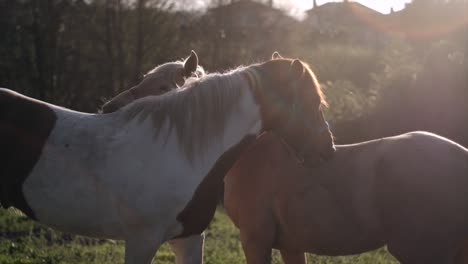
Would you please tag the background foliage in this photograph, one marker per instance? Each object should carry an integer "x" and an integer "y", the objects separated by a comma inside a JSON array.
[{"x": 75, "y": 53}]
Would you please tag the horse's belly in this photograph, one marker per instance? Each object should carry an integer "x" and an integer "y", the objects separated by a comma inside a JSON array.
[
  {"x": 313, "y": 221},
  {"x": 104, "y": 217},
  {"x": 91, "y": 207},
  {"x": 79, "y": 214},
  {"x": 102, "y": 208},
  {"x": 330, "y": 246},
  {"x": 342, "y": 247}
]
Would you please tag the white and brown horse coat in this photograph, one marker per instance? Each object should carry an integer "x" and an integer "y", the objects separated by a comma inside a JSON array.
[
  {"x": 101, "y": 170},
  {"x": 117, "y": 177},
  {"x": 149, "y": 172}
]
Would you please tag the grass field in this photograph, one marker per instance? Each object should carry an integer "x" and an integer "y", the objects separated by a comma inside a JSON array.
[{"x": 24, "y": 241}]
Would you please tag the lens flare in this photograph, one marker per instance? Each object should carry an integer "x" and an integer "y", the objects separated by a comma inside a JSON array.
[{"x": 415, "y": 22}]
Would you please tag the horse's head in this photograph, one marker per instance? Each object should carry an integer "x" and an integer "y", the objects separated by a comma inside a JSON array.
[
  {"x": 162, "y": 79},
  {"x": 292, "y": 102}
]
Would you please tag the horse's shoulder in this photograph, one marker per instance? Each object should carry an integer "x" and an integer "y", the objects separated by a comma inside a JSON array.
[
  {"x": 258, "y": 163},
  {"x": 265, "y": 150}
]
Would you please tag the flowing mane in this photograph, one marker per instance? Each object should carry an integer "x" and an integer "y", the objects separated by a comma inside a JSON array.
[{"x": 198, "y": 111}]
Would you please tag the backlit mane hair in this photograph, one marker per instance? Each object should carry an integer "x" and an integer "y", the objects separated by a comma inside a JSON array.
[
  {"x": 170, "y": 69},
  {"x": 317, "y": 85},
  {"x": 308, "y": 70},
  {"x": 197, "y": 112},
  {"x": 166, "y": 71}
]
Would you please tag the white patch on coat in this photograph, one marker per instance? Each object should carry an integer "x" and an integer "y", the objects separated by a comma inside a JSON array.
[{"x": 100, "y": 177}]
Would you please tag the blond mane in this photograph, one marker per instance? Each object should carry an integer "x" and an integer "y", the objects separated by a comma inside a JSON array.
[
  {"x": 317, "y": 85},
  {"x": 197, "y": 112}
]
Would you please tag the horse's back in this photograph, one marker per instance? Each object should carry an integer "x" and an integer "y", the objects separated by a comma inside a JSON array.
[
  {"x": 422, "y": 183},
  {"x": 25, "y": 125},
  {"x": 428, "y": 138},
  {"x": 429, "y": 148},
  {"x": 423, "y": 156}
]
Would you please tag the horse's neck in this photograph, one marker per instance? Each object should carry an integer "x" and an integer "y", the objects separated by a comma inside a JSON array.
[
  {"x": 243, "y": 121},
  {"x": 229, "y": 126},
  {"x": 242, "y": 127}
]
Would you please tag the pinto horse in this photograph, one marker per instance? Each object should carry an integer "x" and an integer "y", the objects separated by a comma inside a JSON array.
[
  {"x": 161, "y": 79},
  {"x": 152, "y": 171},
  {"x": 408, "y": 192}
]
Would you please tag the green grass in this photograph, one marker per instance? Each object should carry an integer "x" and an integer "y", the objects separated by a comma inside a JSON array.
[{"x": 24, "y": 241}]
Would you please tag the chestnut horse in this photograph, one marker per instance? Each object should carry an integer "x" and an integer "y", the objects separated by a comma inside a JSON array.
[
  {"x": 161, "y": 79},
  {"x": 409, "y": 192},
  {"x": 152, "y": 171}
]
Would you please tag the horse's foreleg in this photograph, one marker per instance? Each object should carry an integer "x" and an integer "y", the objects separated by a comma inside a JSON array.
[
  {"x": 188, "y": 250},
  {"x": 293, "y": 257},
  {"x": 141, "y": 249},
  {"x": 257, "y": 237},
  {"x": 256, "y": 252}
]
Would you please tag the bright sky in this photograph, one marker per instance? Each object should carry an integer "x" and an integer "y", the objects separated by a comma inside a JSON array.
[
  {"x": 298, "y": 6},
  {"x": 382, "y": 6}
]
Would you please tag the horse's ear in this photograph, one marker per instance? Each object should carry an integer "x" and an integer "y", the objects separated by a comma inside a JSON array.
[
  {"x": 297, "y": 69},
  {"x": 190, "y": 64},
  {"x": 276, "y": 55}
]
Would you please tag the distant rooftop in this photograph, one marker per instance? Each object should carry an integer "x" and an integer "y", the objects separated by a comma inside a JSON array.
[{"x": 342, "y": 6}]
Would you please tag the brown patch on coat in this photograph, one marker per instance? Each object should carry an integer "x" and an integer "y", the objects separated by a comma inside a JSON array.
[
  {"x": 25, "y": 125},
  {"x": 200, "y": 210}
]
